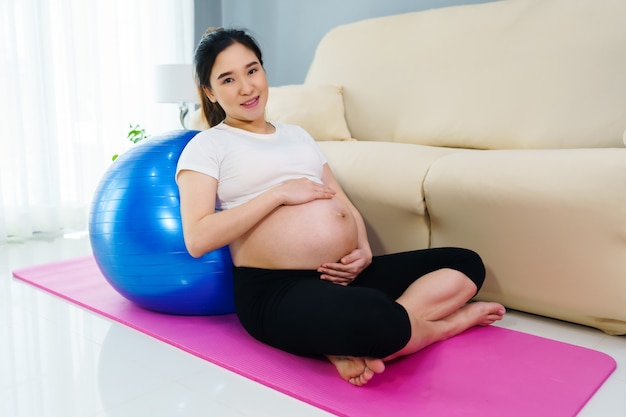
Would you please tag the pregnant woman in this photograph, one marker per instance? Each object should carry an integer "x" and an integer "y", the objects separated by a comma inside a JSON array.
[{"x": 304, "y": 275}]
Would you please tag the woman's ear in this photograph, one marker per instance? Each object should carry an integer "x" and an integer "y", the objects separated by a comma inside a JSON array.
[{"x": 209, "y": 95}]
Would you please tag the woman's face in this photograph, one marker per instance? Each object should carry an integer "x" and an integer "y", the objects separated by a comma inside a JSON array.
[{"x": 239, "y": 85}]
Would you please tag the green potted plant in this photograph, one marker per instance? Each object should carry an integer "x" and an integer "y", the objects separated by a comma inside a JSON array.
[{"x": 135, "y": 134}]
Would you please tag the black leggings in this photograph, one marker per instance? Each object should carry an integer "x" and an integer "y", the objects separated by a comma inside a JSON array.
[{"x": 296, "y": 311}]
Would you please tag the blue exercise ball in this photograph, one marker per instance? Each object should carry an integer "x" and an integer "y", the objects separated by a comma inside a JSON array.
[{"x": 136, "y": 235}]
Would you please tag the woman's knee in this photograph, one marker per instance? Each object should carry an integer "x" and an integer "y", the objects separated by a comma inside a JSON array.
[{"x": 471, "y": 265}]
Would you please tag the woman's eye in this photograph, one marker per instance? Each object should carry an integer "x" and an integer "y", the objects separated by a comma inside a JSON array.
[
  {"x": 228, "y": 80},
  {"x": 252, "y": 71}
]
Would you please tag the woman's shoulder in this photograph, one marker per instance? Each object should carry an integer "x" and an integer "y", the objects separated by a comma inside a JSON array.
[{"x": 205, "y": 141}]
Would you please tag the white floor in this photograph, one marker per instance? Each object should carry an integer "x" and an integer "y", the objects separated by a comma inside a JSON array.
[{"x": 62, "y": 361}]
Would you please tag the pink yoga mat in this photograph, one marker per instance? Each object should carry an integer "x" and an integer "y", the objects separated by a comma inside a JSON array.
[{"x": 486, "y": 371}]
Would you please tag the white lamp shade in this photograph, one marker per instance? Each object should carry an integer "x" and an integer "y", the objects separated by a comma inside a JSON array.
[{"x": 174, "y": 83}]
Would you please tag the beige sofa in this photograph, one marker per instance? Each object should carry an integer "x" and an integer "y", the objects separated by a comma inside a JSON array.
[{"x": 498, "y": 127}]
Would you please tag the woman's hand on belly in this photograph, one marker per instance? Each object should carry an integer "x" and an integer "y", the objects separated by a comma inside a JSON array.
[
  {"x": 303, "y": 190},
  {"x": 348, "y": 267}
]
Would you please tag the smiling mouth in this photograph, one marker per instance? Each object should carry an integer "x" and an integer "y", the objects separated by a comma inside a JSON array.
[{"x": 250, "y": 103}]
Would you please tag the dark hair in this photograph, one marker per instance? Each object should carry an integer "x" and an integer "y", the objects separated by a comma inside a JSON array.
[{"x": 214, "y": 41}]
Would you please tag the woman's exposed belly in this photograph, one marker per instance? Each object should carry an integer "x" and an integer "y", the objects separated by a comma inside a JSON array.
[{"x": 298, "y": 237}]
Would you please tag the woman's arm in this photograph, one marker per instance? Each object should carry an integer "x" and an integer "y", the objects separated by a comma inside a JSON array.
[{"x": 205, "y": 230}]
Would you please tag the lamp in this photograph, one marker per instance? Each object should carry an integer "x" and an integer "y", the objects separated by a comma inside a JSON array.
[{"x": 174, "y": 83}]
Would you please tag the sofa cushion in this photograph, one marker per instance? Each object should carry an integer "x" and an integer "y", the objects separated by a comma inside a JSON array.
[
  {"x": 316, "y": 108},
  {"x": 499, "y": 75}
]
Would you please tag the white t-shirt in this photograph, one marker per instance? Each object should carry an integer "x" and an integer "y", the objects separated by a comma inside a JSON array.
[{"x": 246, "y": 164}]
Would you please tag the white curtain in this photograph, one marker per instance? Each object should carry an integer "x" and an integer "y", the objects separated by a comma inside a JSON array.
[{"x": 74, "y": 74}]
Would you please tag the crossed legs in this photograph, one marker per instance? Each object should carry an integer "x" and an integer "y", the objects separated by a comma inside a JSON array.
[{"x": 437, "y": 306}]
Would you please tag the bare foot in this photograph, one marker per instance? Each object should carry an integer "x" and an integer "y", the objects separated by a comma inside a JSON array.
[
  {"x": 481, "y": 313},
  {"x": 357, "y": 371}
]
